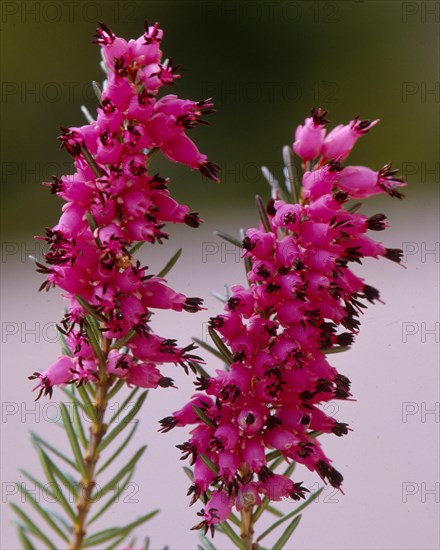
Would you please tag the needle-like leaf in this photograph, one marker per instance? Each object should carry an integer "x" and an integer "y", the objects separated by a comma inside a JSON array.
[
  {"x": 291, "y": 514},
  {"x": 229, "y": 238},
  {"x": 263, "y": 213},
  {"x": 121, "y": 474},
  {"x": 170, "y": 264},
  {"x": 120, "y": 488},
  {"x": 108, "y": 534},
  {"x": 282, "y": 541},
  {"x": 121, "y": 407},
  {"x": 226, "y": 354},
  {"x": 32, "y": 527},
  {"x": 52, "y": 472},
  {"x": 123, "y": 423},
  {"x": 25, "y": 542},
  {"x": 225, "y": 528},
  {"x": 204, "y": 418},
  {"x": 209, "y": 348},
  {"x": 73, "y": 440},
  {"x": 42, "y": 442},
  {"x": 42, "y": 511},
  {"x": 119, "y": 450},
  {"x": 209, "y": 463}
]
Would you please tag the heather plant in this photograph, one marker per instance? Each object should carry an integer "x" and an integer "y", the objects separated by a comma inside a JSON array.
[
  {"x": 301, "y": 302},
  {"x": 114, "y": 203}
]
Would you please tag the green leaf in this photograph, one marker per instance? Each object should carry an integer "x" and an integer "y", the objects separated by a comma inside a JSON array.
[
  {"x": 115, "y": 389},
  {"x": 32, "y": 527},
  {"x": 288, "y": 162},
  {"x": 123, "y": 423},
  {"x": 354, "y": 207},
  {"x": 95, "y": 342},
  {"x": 229, "y": 238},
  {"x": 275, "y": 184},
  {"x": 151, "y": 153},
  {"x": 219, "y": 297},
  {"x": 72, "y": 397},
  {"x": 170, "y": 264},
  {"x": 234, "y": 519},
  {"x": 73, "y": 440},
  {"x": 121, "y": 474},
  {"x": 25, "y": 542},
  {"x": 263, "y": 507},
  {"x": 119, "y": 490},
  {"x": 93, "y": 165},
  {"x": 198, "y": 368},
  {"x": 125, "y": 339},
  {"x": 282, "y": 541},
  {"x": 226, "y": 354},
  {"x": 103, "y": 536},
  {"x": 272, "y": 455},
  {"x": 206, "y": 542},
  {"x": 108, "y": 534},
  {"x": 188, "y": 472},
  {"x": 291, "y": 514},
  {"x": 64, "y": 347},
  {"x": 279, "y": 460},
  {"x": 43, "y": 488},
  {"x": 119, "y": 449},
  {"x": 42, "y": 511},
  {"x": 97, "y": 89},
  {"x": 204, "y": 418},
  {"x": 225, "y": 528},
  {"x": 209, "y": 463},
  {"x": 42, "y": 442},
  {"x": 337, "y": 349},
  {"x": 51, "y": 470},
  {"x": 126, "y": 401},
  {"x": 88, "y": 406},
  {"x": 135, "y": 248},
  {"x": 79, "y": 428},
  {"x": 209, "y": 348},
  {"x": 289, "y": 470},
  {"x": 274, "y": 511},
  {"x": 89, "y": 308},
  {"x": 260, "y": 509},
  {"x": 115, "y": 544},
  {"x": 263, "y": 213}
]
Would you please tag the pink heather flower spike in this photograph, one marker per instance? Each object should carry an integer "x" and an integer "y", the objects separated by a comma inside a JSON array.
[
  {"x": 113, "y": 202},
  {"x": 303, "y": 301}
]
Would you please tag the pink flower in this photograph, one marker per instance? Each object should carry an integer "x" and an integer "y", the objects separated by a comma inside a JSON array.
[
  {"x": 59, "y": 373},
  {"x": 341, "y": 140},
  {"x": 217, "y": 509},
  {"x": 310, "y": 137},
  {"x": 361, "y": 182}
]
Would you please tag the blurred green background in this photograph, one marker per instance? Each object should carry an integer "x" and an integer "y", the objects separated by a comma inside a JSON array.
[{"x": 265, "y": 62}]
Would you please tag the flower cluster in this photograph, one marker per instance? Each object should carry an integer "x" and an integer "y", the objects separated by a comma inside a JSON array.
[
  {"x": 113, "y": 203},
  {"x": 303, "y": 302}
]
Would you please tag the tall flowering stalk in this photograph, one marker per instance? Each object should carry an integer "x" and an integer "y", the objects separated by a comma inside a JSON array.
[
  {"x": 303, "y": 302},
  {"x": 114, "y": 203}
]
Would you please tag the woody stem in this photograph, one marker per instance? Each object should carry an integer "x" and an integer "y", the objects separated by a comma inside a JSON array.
[
  {"x": 91, "y": 455},
  {"x": 247, "y": 530}
]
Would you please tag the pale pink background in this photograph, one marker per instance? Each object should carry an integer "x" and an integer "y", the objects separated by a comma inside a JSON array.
[{"x": 377, "y": 459}]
